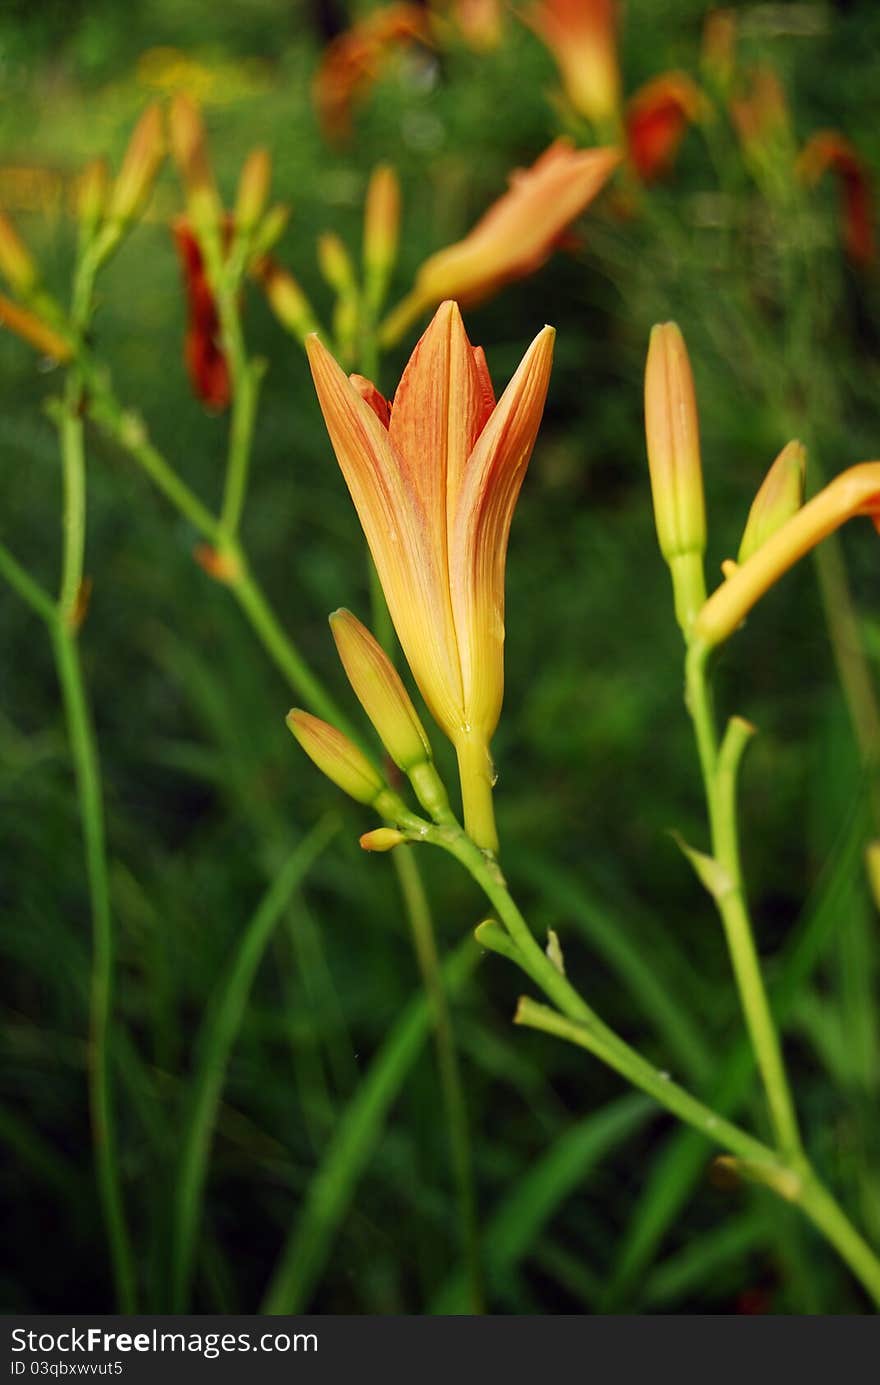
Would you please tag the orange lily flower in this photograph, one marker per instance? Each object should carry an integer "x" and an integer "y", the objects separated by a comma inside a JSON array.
[
  {"x": 854, "y": 492},
  {"x": 480, "y": 23},
  {"x": 435, "y": 479},
  {"x": 829, "y": 150},
  {"x": 581, "y": 35},
  {"x": 657, "y": 117},
  {"x": 352, "y": 62},
  {"x": 514, "y": 237}
]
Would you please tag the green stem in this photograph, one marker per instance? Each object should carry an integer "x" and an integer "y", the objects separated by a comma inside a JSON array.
[
  {"x": 70, "y": 434},
  {"x": 719, "y": 777},
  {"x": 419, "y": 915},
  {"x": 657, "y": 1084},
  {"x": 85, "y": 759},
  {"x": 21, "y": 582},
  {"x": 280, "y": 647}
]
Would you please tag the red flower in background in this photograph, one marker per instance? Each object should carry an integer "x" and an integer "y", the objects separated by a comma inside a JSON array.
[
  {"x": 353, "y": 61},
  {"x": 657, "y": 117},
  {"x": 205, "y": 361},
  {"x": 829, "y": 150}
]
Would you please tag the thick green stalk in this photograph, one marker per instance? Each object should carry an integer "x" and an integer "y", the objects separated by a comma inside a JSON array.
[
  {"x": 719, "y": 778},
  {"x": 85, "y": 759},
  {"x": 425, "y": 943}
]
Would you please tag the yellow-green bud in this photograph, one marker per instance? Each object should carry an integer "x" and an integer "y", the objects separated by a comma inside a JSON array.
[
  {"x": 381, "y": 230},
  {"x": 673, "y": 439},
  {"x": 780, "y": 496},
  {"x": 872, "y": 864},
  {"x": 382, "y": 839},
  {"x": 335, "y": 264},
  {"x": 380, "y": 691},
  {"x": 140, "y": 164},
  {"x": 287, "y": 300},
  {"x": 336, "y": 756},
  {"x": 253, "y": 189},
  {"x": 91, "y": 194},
  {"x": 16, "y": 262},
  {"x": 270, "y": 231}
]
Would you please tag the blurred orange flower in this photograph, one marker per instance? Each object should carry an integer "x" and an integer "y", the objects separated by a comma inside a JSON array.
[
  {"x": 516, "y": 235},
  {"x": 353, "y": 61},
  {"x": 435, "y": 482},
  {"x": 581, "y": 35},
  {"x": 829, "y": 150}
]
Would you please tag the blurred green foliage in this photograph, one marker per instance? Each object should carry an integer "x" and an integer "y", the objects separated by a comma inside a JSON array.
[{"x": 206, "y": 794}]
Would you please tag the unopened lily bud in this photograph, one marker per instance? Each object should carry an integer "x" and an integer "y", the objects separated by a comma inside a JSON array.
[
  {"x": 269, "y": 231},
  {"x": 140, "y": 164},
  {"x": 33, "y": 330},
  {"x": 253, "y": 189},
  {"x": 718, "y": 52},
  {"x": 91, "y": 194},
  {"x": 336, "y": 756},
  {"x": 16, "y": 262},
  {"x": 382, "y": 839},
  {"x": 190, "y": 149},
  {"x": 381, "y": 230},
  {"x": 673, "y": 438},
  {"x": 780, "y": 496},
  {"x": 872, "y": 865},
  {"x": 287, "y": 300},
  {"x": 335, "y": 264},
  {"x": 380, "y": 691}
]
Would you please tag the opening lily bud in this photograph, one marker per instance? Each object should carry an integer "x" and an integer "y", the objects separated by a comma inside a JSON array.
[
  {"x": 382, "y": 839},
  {"x": 190, "y": 149},
  {"x": 673, "y": 438},
  {"x": 140, "y": 164},
  {"x": 336, "y": 756},
  {"x": 854, "y": 492},
  {"x": 16, "y": 262},
  {"x": 253, "y": 189},
  {"x": 780, "y": 496},
  {"x": 380, "y": 691}
]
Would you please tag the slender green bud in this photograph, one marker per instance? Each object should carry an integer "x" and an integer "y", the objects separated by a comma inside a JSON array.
[
  {"x": 872, "y": 865},
  {"x": 336, "y": 756},
  {"x": 381, "y": 231},
  {"x": 140, "y": 164},
  {"x": 335, "y": 264},
  {"x": 380, "y": 691},
  {"x": 253, "y": 189},
  {"x": 673, "y": 438},
  {"x": 780, "y": 496},
  {"x": 382, "y": 839},
  {"x": 287, "y": 300},
  {"x": 91, "y": 195},
  {"x": 270, "y": 231},
  {"x": 17, "y": 265}
]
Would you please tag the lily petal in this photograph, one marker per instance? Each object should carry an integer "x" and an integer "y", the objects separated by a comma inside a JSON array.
[
  {"x": 479, "y": 534},
  {"x": 400, "y": 535}
]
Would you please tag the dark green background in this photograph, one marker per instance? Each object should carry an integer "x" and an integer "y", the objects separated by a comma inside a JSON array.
[{"x": 206, "y": 791}]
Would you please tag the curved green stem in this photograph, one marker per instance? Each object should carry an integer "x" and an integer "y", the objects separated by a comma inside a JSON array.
[{"x": 719, "y": 770}]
